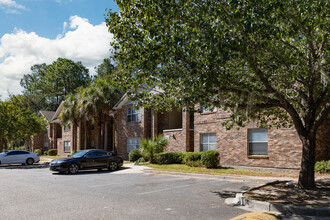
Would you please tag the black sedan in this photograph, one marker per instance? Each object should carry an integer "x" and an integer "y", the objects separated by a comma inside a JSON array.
[{"x": 87, "y": 159}]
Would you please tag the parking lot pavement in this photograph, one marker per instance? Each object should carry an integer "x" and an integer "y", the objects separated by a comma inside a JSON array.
[{"x": 124, "y": 194}]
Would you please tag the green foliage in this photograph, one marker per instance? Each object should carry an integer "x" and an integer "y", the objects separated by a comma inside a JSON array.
[
  {"x": 191, "y": 156},
  {"x": 134, "y": 155},
  {"x": 151, "y": 147},
  {"x": 52, "y": 152},
  {"x": 37, "y": 151},
  {"x": 140, "y": 160},
  {"x": 169, "y": 158},
  {"x": 17, "y": 122},
  {"x": 46, "y": 87},
  {"x": 46, "y": 152},
  {"x": 266, "y": 61},
  {"x": 210, "y": 159},
  {"x": 322, "y": 166}
]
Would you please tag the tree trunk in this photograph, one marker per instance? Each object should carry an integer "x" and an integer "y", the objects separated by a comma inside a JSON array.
[
  {"x": 307, "y": 175},
  {"x": 74, "y": 137}
]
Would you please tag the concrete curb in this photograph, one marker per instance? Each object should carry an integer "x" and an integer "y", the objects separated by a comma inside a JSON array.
[
  {"x": 241, "y": 200},
  {"x": 234, "y": 178}
]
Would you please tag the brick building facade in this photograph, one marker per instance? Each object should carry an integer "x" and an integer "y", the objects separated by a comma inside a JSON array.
[{"x": 248, "y": 146}]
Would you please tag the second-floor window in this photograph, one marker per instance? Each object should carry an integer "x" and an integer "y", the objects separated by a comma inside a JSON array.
[
  {"x": 67, "y": 126},
  {"x": 133, "y": 115},
  {"x": 205, "y": 109}
]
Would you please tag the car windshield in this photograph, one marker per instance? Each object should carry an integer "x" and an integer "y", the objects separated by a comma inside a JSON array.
[{"x": 79, "y": 154}]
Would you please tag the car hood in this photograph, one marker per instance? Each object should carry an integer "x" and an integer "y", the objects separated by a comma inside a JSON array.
[{"x": 61, "y": 160}]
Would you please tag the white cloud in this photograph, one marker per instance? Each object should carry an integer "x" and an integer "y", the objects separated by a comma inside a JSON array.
[
  {"x": 11, "y": 6},
  {"x": 83, "y": 42}
]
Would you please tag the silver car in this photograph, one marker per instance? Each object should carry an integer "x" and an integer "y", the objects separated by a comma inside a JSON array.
[{"x": 19, "y": 156}]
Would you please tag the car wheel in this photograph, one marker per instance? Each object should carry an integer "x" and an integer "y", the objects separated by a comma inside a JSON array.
[
  {"x": 113, "y": 166},
  {"x": 73, "y": 168},
  {"x": 29, "y": 161}
]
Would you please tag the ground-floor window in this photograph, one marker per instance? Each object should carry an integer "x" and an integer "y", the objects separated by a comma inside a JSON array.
[
  {"x": 46, "y": 146},
  {"x": 208, "y": 142},
  {"x": 258, "y": 141},
  {"x": 67, "y": 146},
  {"x": 133, "y": 143}
]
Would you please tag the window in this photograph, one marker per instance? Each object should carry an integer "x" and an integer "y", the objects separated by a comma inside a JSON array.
[
  {"x": 67, "y": 126},
  {"x": 67, "y": 146},
  {"x": 133, "y": 143},
  {"x": 205, "y": 109},
  {"x": 208, "y": 142},
  {"x": 133, "y": 115},
  {"x": 258, "y": 141},
  {"x": 46, "y": 145}
]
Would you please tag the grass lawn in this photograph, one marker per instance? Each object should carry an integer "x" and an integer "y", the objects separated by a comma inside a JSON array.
[
  {"x": 47, "y": 158},
  {"x": 222, "y": 171}
]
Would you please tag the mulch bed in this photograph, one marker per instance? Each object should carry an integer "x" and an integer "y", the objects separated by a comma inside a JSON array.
[{"x": 289, "y": 194}]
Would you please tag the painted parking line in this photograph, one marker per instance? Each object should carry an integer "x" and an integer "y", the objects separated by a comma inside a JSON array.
[{"x": 176, "y": 187}]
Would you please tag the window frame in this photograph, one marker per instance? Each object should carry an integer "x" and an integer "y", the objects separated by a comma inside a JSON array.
[
  {"x": 67, "y": 126},
  {"x": 208, "y": 142},
  {"x": 251, "y": 142},
  {"x": 131, "y": 112},
  {"x": 64, "y": 146},
  {"x": 205, "y": 109},
  {"x": 133, "y": 144}
]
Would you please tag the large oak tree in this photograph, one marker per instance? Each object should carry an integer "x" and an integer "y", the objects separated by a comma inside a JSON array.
[{"x": 263, "y": 59}]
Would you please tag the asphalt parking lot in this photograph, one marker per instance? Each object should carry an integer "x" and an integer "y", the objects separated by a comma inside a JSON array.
[{"x": 37, "y": 193}]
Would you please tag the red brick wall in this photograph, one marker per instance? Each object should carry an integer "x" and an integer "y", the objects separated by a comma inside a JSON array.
[
  {"x": 66, "y": 136},
  {"x": 176, "y": 140},
  {"x": 323, "y": 141},
  {"x": 284, "y": 146},
  {"x": 126, "y": 129},
  {"x": 38, "y": 141}
]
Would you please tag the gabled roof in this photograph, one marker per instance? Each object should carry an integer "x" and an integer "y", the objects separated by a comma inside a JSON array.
[
  {"x": 57, "y": 113},
  {"x": 123, "y": 100},
  {"x": 47, "y": 114}
]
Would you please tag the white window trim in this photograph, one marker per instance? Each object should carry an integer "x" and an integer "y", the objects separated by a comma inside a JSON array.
[
  {"x": 64, "y": 142},
  {"x": 208, "y": 143},
  {"x": 257, "y": 142},
  {"x": 136, "y": 112},
  {"x": 208, "y": 110},
  {"x": 134, "y": 145}
]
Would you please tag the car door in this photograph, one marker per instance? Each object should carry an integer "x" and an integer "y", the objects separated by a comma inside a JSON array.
[
  {"x": 9, "y": 158},
  {"x": 89, "y": 160},
  {"x": 102, "y": 158}
]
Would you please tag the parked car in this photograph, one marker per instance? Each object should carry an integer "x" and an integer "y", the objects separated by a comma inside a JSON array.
[
  {"x": 19, "y": 156},
  {"x": 87, "y": 159}
]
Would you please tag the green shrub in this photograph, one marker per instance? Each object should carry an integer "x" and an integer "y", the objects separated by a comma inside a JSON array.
[
  {"x": 191, "y": 156},
  {"x": 140, "y": 160},
  {"x": 37, "y": 151},
  {"x": 149, "y": 148},
  {"x": 169, "y": 158},
  {"x": 134, "y": 155},
  {"x": 45, "y": 152},
  {"x": 52, "y": 152},
  {"x": 210, "y": 159},
  {"x": 322, "y": 166}
]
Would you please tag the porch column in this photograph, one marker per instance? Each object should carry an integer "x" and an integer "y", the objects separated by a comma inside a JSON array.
[
  {"x": 186, "y": 129},
  {"x": 154, "y": 124},
  {"x": 106, "y": 136}
]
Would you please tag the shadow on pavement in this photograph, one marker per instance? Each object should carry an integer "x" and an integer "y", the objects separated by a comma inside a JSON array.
[
  {"x": 89, "y": 172},
  {"x": 16, "y": 166}
]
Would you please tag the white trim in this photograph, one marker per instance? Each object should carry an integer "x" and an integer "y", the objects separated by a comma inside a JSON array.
[
  {"x": 58, "y": 111},
  {"x": 168, "y": 130},
  {"x": 121, "y": 102}
]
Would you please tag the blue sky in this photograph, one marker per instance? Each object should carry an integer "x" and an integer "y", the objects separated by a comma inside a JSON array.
[{"x": 40, "y": 31}]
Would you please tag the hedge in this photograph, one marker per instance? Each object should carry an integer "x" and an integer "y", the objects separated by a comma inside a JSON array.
[
  {"x": 169, "y": 158},
  {"x": 52, "y": 152},
  {"x": 134, "y": 155},
  {"x": 322, "y": 166},
  {"x": 209, "y": 159},
  {"x": 37, "y": 151}
]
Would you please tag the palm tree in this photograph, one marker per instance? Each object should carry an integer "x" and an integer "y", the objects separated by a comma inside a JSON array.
[
  {"x": 71, "y": 113},
  {"x": 97, "y": 101}
]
